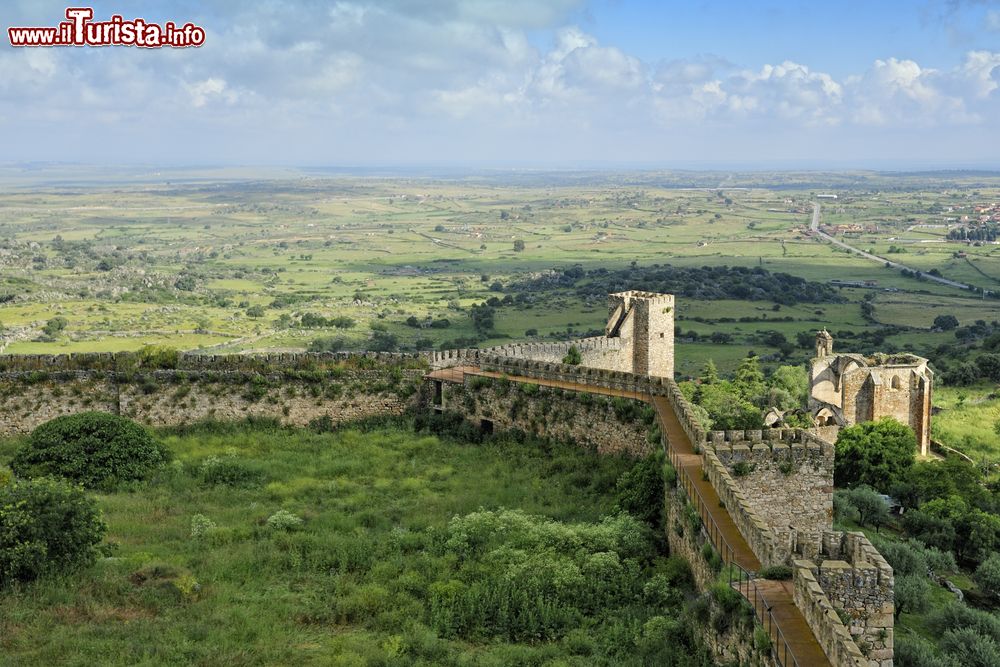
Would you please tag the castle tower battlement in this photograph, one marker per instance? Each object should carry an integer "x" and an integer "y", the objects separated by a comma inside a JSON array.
[{"x": 645, "y": 323}]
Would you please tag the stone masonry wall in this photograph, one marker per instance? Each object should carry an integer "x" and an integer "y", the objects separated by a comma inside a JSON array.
[
  {"x": 788, "y": 483},
  {"x": 780, "y": 514},
  {"x": 822, "y": 617},
  {"x": 610, "y": 425},
  {"x": 170, "y": 397},
  {"x": 858, "y": 581},
  {"x": 772, "y": 547}
]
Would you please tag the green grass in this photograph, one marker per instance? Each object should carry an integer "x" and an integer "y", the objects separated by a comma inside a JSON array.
[
  {"x": 353, "y": 586},
  {"x": 967, "y": 420}
]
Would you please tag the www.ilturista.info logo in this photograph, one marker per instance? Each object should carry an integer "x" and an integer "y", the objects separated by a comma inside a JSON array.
[{"x": 80, "y": 30}]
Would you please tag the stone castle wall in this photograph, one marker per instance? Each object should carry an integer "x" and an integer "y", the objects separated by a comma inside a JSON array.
[
  {"x": 293, "y": 389},
  {"x": 788, "y": 482},
  {"x": 850, "y": 575},
  {"x": 776, "y": 484},
  {"x": 609, "y": 425},
  {"x": 639, "y": 339}
]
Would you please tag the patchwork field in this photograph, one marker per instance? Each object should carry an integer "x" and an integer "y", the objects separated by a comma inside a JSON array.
[{"x": 232, "y": 262}]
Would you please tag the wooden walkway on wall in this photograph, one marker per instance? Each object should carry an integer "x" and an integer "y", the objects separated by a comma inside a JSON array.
[
  {"x": 791, "y": 636},
  {"x": 793, "y": 640}
]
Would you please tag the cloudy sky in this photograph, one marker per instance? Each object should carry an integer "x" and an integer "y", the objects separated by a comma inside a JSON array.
[{"x": 892, "y": 83}]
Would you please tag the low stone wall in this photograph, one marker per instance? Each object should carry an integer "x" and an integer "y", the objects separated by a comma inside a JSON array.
[
  {"x": 170, "y": 397},
  {"x": 132, "y": 361}
]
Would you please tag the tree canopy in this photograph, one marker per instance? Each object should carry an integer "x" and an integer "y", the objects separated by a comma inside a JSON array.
[{"x": 877, "y": 454}]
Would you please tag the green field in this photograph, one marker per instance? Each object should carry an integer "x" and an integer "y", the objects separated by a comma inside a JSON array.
[
  {"x": 230, "y": 265},
  {"x": 968, "y": 421}
]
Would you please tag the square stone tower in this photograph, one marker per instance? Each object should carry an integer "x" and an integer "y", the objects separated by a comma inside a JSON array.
[{"x": 644, "y": 321}]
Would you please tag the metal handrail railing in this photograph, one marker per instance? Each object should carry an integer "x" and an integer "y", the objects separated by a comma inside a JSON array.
[{"x": 745, "y": 581}]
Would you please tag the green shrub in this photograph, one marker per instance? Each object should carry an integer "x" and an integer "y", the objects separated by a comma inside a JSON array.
[
  {"x": 46, "y": 525},
  {"x": 970, "y": 649},
  {"x": 988, "y": 575},
  {"x": 229, "y": 471},
  {"x": 669, "y": 475},
  {"x": 742, "y": 469},
  {"x": 762, "y": 641},
  {"x": 912, "y": 593},
  {"x": 176, "y": 582},
  {"x": 776, "y": 573},
  {"x": 6, "y": 476},
  {"x": 322, "y": 424},
  {"x": 729, "y": 606},
  {"x": 639, "y": 491},
  {"x": 283, "y": 520},
  {"x": 917, "y": 652},
  {"x": 678, "y": 572},
  {"x": 96, "y": 449},
  {"x": 202, "y": 527},
  {"x": 158, "y": 356},
  {"x": 957, "y": 615}
]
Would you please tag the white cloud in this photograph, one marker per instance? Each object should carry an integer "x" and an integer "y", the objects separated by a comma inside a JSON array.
[
  {"x": 203, "y": 92},
  {"x": 902, "y": 92},
  {"x": 357, "y": 72},
  {"x": 982, "y": 70}
]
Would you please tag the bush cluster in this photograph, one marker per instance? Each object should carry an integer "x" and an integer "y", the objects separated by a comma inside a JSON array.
[
  {"x": 46, "y": 525},
  {"x": 96, "y": 449}
]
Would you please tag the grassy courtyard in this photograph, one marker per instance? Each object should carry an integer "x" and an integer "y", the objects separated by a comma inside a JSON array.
[{"x": 260, "y": 545}]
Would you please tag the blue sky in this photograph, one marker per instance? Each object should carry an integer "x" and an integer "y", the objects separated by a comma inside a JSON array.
[{"x": 888, "y": 83}]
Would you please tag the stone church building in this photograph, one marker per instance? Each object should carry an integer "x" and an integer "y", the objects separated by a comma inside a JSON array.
[{"x": 847, "y": 389}]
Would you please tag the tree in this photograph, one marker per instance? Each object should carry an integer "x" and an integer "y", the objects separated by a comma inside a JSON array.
[
  {"x": 52, "y": 328},
  {"x": 727, "y": 407},
  {"x": 573, "y": 356},
  {"x": 96, "y": 449},
  {"x": 749, "y": 381},
  {"x": 793, "y": 379},
  {"x": 518, "y": 245},
  {"x": 877, "y": 454},
  {"x": 912, "y": 592},
  {"x": 988, "y": 575},
  {"x": 989, "y": 366},
  {"x": 482, "y": 318},
  {"x": 639, "y": 491},
  {"x": 45, "y": 526},
  {"x": 872, "y": 508},
  {"x": 384, "y": 342},
  {"x": 946, "y": 322},
  {"x": 709, "y": 374},
  {"x": 328, "y": 344},
  {"x": 975, "y": 534}
]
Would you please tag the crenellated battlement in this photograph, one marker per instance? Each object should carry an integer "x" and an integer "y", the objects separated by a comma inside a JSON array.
[{"x": 847, "y": 576}]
